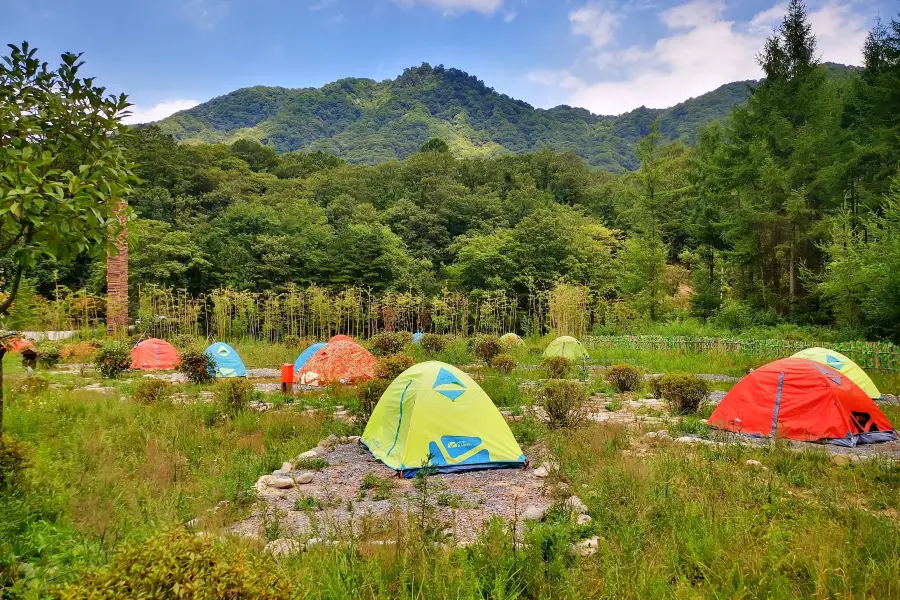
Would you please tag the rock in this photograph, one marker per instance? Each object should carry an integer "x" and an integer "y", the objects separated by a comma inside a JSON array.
[
  {"x": 651, "y": 434},
  {"x": 304, "y": 478},
  {"x": 283, "y": 547},
  {"x": 447, "y": 532},
  {"x": 587, "y": 547},
  {"x": 192, "y": 524},
  {"x": 533, "y": 513},
  {"x": 583, "y": 519},
  {"x": 281, "y": 483},
  {"x": 575, "y": 505},
  {"x": 339, "y": 408},
  {"x": 332, "y": 438},
  {"x": 308, "y": 455},
  {"x": 753, "y": 463},
  {"x": 858, "y": 459},
  {"x": 340, "y": 414},
  {"x": 688, "y": 439},
  {"x": 541, "y": 472},
  {"x": 663, "y": 434},
  {"x": 841, "y": 460},
  {"x": 354, "y": 439}
]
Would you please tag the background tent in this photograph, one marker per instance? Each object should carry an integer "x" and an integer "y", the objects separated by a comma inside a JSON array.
[
  {"x": 417, "y": 337},
  {"x": 154, "y": 354},
  {"x": 337, "y": 362},
  {"x": 227, "y": 361},
  {"x": 802, "y": 400},
  {"x": 566, "y": 346},
  {"x": 341, "y": 338},
  {"x": 511, "y": 339},
  {"x": 306, "y": 355},
  {"x": 435, "y": 408},
  {"x": 839, "y": 362},
  {"x": 17, "y": 344}
]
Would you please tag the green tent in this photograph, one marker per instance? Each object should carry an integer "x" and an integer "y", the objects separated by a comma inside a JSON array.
[
  {"x": 567, "y": 347},
  {"x": 511, "y": 339}
]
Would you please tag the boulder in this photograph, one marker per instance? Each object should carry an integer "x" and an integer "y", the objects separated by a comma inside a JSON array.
[
  {"x": 753, "y": 463},
  {"x": 574, "y": 504},
  {"x": 587, "y": 547},
  {"x": 303, "y": 478},
  {"x": 688, "y": 439},
  {"x": 308, "y": 455},
  {"x": 281, "y": 483},
  {"x": 583, "y": 519},
  {"x": 541, "y": 472},
  {"x": 283, "y": 547},
  {"x": 533, "y": 513}
]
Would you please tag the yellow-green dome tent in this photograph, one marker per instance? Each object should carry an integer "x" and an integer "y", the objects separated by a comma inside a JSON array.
[
  {"x": 567, "y": 347},
  {"x": 435, "y": 408},
  {"x": 839, "y": 362},
  {"x": 511, "y": 339}
]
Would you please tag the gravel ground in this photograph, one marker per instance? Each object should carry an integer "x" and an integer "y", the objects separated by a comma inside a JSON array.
[{"x": 478, "y": 496}]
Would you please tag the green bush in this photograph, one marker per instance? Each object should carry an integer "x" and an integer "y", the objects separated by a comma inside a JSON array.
[
  {"x": 291, "y": 341},
  {"x": 14, "y": 459},
  {"x": 151, "y": 390},
  {"x": 234, "y": 395},
  {"x": 487, "y": 347},
  {"x": 369, "y": 393},
  {"x": 112, "y": 359},
  {"x": 391, "y": 367},
  {"x": 557, "y": 367},
  {"x": 504, "y": 363},
  {"x": 623, "y": 377},
  {"x": 181, "y": 565},
  {"x": 564, "y": 402},
  {"x": 183, "y": 341},
  {"x": 433, "y": 343},
  {"x": 388, "y": 343},
  {"x": 197, "y": 366},
  {"x": 684, "y": 393},
  {"x": 48, "y": 354}
]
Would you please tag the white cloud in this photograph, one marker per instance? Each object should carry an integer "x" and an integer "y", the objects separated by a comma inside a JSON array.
[
  {"x": 158, "y": 112},
  {"x": 701, "y": 51},
  {"x": 206, "y": 14},
  {"x": 455, "y": 7},
  {"x": 510, "y": 16}
]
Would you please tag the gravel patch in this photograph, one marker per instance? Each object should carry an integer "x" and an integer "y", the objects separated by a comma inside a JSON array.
[{"x": 263, "y": 373}]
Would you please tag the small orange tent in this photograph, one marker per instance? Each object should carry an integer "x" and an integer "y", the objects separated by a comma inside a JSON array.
[
  {"x": 154, "y": 354},
  {"x": 341, "y": 338},
  {"x": 803, "y": 400},
  {"x": 337, "y": 362},
  {"x": 17, "y": 344}
]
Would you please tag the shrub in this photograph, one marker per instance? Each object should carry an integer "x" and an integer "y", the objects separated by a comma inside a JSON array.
[
  {"x": 623, "y": 377},
  {"x": 113, "y": 359},
  {"x": 80, "y": 352},
  {"x": 183, "y": 341},
  {"x": 49, "y": 354},
  {"x": 391, "y": 367},
  {"x": 151, "y": 390},
  {"x": 557, "y": 367},
  {"x": 684, "y": 393},
  {"x": 563, "y": 401},
  {"x": 433, "y": 343},
  {"x": 14, "y": 459},
  {"x": 487, "y": 347},
  {"x": 388, "y": 343},
  {"x": 234, "y": 395},
  {"x": 504, "y": 363},
  {"x": 181, "y": 565},
  {"x": 291, "y": 341},
  {"x": 30, "y": 386},
  {"x": 369, "y": 393},
  {"x": 197, "y": 366}
]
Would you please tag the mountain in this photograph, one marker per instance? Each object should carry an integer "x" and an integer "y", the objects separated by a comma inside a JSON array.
[{"x": 364, "y": 121}]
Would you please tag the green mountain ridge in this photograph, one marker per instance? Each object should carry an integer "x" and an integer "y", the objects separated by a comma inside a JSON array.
[{"x": 368, "y": 122}]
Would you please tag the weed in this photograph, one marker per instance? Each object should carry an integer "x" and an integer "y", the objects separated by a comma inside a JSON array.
[
  {"x": 381, "y": 488},
  {"x": 310, "y": 464},
  {"x": 234, "y": 395},
  {"x": 151, "y": 390},
  {"x": 563, "y": 401},
  {"x": 308, "y": 503}
]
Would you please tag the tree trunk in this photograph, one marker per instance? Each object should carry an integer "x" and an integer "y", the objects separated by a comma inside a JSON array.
[
  {"x": 792, "y": 284},
  {"x": 2, "y": 354}
]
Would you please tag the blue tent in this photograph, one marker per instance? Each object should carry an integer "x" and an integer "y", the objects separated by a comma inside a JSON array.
[
  {"x": 417, "y": 337},
  {"x": 306, "y": 355},
  {"x": 227, "y": 361}
]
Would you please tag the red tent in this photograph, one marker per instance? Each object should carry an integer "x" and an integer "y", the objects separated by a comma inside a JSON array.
[
  {"x": 337, "y": 362},
  {"x": 803, "y": 400},
  {"x": 341, "y": 338},
  {"x": 17, "y": 344},
  {"x": 153, "y": 354}
]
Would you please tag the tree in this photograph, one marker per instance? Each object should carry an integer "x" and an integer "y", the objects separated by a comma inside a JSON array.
[
  {"x": 436, "y": 145},
  {"x": 63, "y": 174}
]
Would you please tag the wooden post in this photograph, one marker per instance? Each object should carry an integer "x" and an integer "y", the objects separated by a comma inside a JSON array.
[{"x": 117, "y": 280}]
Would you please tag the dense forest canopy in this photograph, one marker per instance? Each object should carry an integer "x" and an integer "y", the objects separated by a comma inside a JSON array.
[{"x": 786, "y": 210}]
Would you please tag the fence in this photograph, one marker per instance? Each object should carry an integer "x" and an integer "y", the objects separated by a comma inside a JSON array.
[{"x": 876, "y": 356}]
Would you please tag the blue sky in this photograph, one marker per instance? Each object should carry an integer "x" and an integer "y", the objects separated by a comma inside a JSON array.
[{"x": 608, "y": 56}]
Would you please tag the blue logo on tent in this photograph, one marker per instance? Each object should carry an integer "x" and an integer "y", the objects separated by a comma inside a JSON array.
[
  {"x": 445, "y": 377},
  {"x": 457, "y": 445},
  {"x": 438, "y": 460},
  {"x": 834, "y": 362}
]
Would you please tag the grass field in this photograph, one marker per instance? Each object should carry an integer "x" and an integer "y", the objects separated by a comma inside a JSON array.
[{"x": 113, "y": 480}]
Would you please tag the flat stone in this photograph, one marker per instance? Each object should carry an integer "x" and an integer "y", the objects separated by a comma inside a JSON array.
[
  {"x": 587, "y": 547},
  {"x": 688, "y": 439},
  {"x": 308, "y": 455},
  {"x": 841, "y": 460},
  {"x": 583, "y": 519},
  {"x": 753, "y": 463},
  {"x": 574, "y": 504},
  {"x": 283, "y": 547},
  {"x": 533, "y": 513},
  {"x": 303, "y": 478},
  {"x": 540, "y": 472},
  {"x": 281, "y": 483}
]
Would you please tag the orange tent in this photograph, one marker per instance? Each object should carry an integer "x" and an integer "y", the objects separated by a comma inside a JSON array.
[
  {"x": 17, "y": 344},
  {"x": 341, "y": 338},
  {"x": 802, "y": 400},
  {"x": 153, "y": 354},
  {"x": 337, "y": 362}
]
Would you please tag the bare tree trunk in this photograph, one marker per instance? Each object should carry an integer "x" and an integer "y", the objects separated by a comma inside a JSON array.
[
  {"x": 792, "y": 289},
  {"x": 2, "y": 354}
]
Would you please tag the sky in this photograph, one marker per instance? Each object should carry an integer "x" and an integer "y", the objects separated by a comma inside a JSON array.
[{"x": 608, "y": 56}]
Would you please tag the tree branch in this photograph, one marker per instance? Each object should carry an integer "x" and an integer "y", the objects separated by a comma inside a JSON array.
[{"x": 17, "y": 279}]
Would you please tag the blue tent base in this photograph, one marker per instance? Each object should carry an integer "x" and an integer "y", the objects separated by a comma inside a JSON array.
[
  {"x": 851, "y": 441},
  {"x": 409, "y": 473}
]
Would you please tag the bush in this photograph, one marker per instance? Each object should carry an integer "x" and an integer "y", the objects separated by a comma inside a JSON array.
[
  {"x": 181, "y": 565},
  {"x": 197, "y": 366},
  {"x": 388, "y": 343},
  {"x": 684, "y": 393},
  {"x": 14, "y": 459},
  {"x": 234, "y": 395},
  {"x": 623, "y": 377},
  {"x": 433, "y": 343},
  {"x": 504, "y": 363},
  {"x": 183, "y": 341},
  {"x": 557, "y": 367},
  {"x": 391, "y": 367},
  {"x": 291, "y": 341},
  {"x": 563, "y": 401},
  {"x": 369, "y": 393},
  {"x": 112, "y": 359},
  {"x": 80, "y": 352},
  {"x": 487, "y": 347},
  {"x": 151, "y": 390},
  {"x": 30, "y": 386},
  {"x": 48, "y": 354}
]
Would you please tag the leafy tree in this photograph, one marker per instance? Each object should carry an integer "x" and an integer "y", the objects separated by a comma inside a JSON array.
[{"x": 435, "y": 145}]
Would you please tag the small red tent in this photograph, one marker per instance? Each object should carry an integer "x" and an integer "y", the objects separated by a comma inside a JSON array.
[
  {"x": 341, "y": 338},
  {"x": 17, "y": 344},
  {"x": 337, "y": 362},
  {"x": 803, "y": 400},
  {"x": 154, "y": 354}
]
